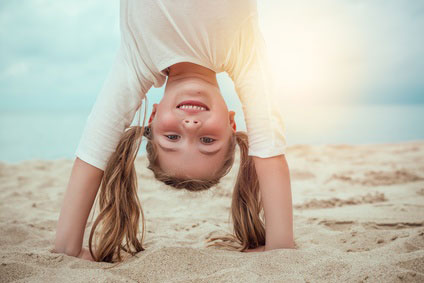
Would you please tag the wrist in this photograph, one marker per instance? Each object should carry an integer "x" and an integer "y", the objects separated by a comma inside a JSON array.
[
  {"x": 75, "y": 252},
  {"x": 275, "y": 247},
  {"x": 81, "y": 253}
]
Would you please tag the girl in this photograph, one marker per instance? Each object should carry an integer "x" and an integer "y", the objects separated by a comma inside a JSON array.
[{"x": 191, "y": 134}]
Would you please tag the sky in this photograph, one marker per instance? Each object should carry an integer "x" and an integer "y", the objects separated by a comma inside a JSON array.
[
  {"x": 356, "y": 51},
  {"x": 56, "y": 54},
  {"x": 346, "y": 71}
]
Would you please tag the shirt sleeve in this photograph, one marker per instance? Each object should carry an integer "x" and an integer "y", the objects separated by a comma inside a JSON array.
[
  {"x": 254, "y": 83},
  {"x": 117, "y": 103}
]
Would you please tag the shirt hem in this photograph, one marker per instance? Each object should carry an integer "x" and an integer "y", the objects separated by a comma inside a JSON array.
[
  {"x": 164, "y": 65},
  {"x": 267, "y": 154},
  {"x": 90, "y": 160}
]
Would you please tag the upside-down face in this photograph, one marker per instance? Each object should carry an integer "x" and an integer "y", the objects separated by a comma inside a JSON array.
[{"x": 192, "y": 128}]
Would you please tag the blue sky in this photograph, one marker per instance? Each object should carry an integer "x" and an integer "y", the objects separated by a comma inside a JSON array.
[{"x": 56, "y": 54}]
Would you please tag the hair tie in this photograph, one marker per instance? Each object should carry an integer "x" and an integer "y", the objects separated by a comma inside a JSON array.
[{"x": 146, "y": 131}]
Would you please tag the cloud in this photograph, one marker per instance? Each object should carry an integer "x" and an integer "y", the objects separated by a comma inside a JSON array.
[{"x": 15, "y": 70}]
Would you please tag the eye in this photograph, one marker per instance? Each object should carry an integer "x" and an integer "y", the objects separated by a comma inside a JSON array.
[
  {"x": 172, "y": 137},
  {"x": 207, "y": 140}
]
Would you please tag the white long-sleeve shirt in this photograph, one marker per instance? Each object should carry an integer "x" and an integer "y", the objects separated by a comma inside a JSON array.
[{"x": 222, "y": 35}]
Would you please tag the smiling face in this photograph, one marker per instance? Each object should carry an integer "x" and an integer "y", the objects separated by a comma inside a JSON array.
[{"x": 192, "y": 128}]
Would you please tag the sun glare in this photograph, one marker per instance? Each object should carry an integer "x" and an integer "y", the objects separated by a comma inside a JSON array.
[{"x": 311, "y": 48}]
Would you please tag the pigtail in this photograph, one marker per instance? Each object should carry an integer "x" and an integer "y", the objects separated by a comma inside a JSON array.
[
  {"x": 119, "y": 204},
  {"x": 246, "y": 206}
]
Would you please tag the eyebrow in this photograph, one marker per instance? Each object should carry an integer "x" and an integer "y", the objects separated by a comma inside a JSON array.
[{"x": 204, "y": 152}]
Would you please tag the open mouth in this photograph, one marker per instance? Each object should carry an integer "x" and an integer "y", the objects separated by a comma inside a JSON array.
[{"x": 193, "y": 105}]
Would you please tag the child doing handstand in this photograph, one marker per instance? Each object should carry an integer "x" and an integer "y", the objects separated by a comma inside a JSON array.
[{"x": 191, "y": 135}]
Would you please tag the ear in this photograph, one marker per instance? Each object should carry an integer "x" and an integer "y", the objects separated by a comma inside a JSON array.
[
  {"x": 155, "y": 106},
  {"x": 231, "y": 115}
]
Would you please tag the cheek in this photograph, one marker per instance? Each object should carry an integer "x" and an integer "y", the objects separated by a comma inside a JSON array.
[
  {"x": 165, "y": 121},
  {"x": 218, "y": 124}
]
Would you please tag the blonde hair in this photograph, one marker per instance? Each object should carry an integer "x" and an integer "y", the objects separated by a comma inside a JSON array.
[{"x": 120, "y": 207}]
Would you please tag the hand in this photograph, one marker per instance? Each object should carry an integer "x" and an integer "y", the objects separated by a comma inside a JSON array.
[
  {"x": 85, "y": 254},
  {"x": 258, "y": 249}
]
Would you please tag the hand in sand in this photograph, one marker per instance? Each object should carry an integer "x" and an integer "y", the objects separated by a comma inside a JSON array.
[
  {"x": 85, "y": 254},
  {"x": 258, "y": 249}
]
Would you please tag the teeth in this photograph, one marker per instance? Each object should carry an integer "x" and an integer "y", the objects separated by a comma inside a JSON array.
[{"x": 186, "y": 106}]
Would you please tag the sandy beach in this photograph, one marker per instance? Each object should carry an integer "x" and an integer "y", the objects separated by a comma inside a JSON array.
[{"x": 358, "y": 217}]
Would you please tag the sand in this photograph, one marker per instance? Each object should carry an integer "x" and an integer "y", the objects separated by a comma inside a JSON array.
[{"x": 358, "y": 217}]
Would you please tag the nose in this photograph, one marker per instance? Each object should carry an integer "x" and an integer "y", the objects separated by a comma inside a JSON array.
[{"x": 191, "y": 123}]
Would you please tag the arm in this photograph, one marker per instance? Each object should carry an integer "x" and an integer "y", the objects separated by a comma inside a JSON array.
[
  {"x": 79, "y": 197},
  {"x": 274, "y": 183},
  {"x": 254, "y": 83},
  {"x": 113, "y": 111}
]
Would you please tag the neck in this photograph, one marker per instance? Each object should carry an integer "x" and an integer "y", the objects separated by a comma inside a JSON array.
[{"x": 185, "y": 70}]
